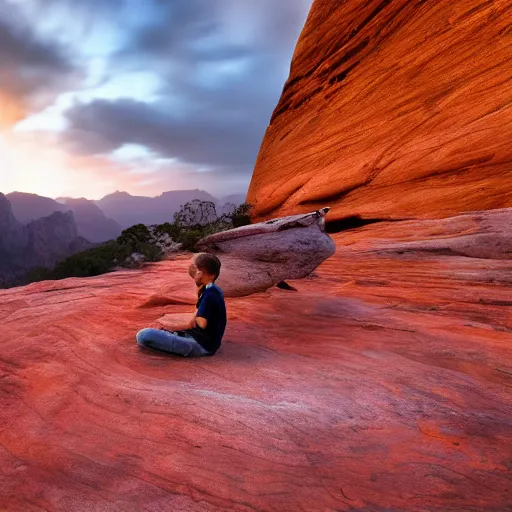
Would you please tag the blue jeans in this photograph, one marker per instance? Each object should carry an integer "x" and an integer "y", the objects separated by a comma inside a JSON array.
[{"x": 168, "y": 342}]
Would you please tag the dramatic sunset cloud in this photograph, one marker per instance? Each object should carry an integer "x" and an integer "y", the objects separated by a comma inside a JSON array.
[{"x": 139, "y": 95}]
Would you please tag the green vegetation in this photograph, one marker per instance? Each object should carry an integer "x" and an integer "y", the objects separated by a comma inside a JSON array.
[
  {"x": 198, "y": 219},
  {"x": 241, "y": 215},
  {"x": 194, "y": 221},
  {"x": 95, "y": 261}
]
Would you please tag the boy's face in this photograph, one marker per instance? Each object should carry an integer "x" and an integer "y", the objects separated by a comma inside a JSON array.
[{"x": 195, "y": 273}]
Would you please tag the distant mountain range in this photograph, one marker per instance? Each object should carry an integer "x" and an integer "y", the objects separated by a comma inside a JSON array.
[
  {"x": 40, "y": 231},
  {"x": 42, "y": 242},
  {"x": 129, "y": 210},
  {"x": 104, "y": 219},
  {"x": 91, "y": 222}
]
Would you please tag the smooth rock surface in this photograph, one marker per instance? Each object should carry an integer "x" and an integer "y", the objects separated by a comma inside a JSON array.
[
  {"x": 484, "y": 234},
  {"x": 256, "y": 257},
  {"x": 383, "y": 384},
  {"x": 393, "y": 110}
]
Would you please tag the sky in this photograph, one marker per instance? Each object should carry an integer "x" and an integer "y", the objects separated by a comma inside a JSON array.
[{"x": 142, "y": 96}]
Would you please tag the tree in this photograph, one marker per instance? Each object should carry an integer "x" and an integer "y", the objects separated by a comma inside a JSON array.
[
  {"x": 134, "y": 237},
  {"x": 240, "y": 216}
]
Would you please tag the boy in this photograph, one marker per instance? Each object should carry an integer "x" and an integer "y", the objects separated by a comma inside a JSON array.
[{"x": 203, "y": 335}]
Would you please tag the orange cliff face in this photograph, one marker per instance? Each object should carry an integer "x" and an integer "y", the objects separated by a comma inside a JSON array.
[{"x": 393, "y": 110}]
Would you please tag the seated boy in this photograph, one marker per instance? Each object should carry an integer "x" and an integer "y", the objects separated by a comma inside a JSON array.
[{"x": 203, "y": 335}]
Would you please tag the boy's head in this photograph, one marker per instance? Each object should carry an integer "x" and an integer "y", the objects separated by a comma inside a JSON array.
[{"x": 204, "y": 268}]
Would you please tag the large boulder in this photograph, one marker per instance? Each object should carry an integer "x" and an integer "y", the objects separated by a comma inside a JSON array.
[
  {"x": 393, "y": 110},
  {"x": 257, "y": 257}
]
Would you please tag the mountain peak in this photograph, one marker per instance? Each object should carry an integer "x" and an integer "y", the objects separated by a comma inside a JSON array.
[
  {"x": 190, "y": 191},
  {"x": 16, "y": 193},
  {"x": 118, "y": 194},
  {"x": 73, "y": 200}
]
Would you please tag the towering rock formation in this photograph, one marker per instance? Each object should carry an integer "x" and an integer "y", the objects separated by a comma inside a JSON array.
[
  {"x": 12, "y": 238},
  {"x": 52, "y": 239},
  {"x": 43, "y": 242},
  {"x": 91, "y": 222},
  {"x": 393, "y": 109},
  {"x": 27, "y": 207}
]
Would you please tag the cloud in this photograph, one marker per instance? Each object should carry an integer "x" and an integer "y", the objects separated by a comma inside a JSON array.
[
  {"x": 222, "y": 66},
  {"x": 255, "y": 24},
  {"x": 192, "y": 81},
  {"x": 202, "y": 136},
  {"x": 32, "y": 70}
]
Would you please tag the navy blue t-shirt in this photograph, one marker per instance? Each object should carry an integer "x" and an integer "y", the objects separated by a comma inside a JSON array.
[{"x": 212, "y": 307}]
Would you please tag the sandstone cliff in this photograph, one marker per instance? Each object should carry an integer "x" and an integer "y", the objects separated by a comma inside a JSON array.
[{"x": 393, "y": 109}]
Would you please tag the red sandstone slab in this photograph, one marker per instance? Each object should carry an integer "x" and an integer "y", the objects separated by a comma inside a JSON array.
[{"x": 382, "y": 384}]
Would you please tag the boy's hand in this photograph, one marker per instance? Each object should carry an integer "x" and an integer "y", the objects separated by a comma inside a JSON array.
[
  {"x": 192, "y": 322},
  {"x": 174, "y": 322},
  {"x": 156, "y": 325}
]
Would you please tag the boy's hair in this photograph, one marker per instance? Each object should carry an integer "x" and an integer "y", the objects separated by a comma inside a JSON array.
[{"x": 208, "y": 263}]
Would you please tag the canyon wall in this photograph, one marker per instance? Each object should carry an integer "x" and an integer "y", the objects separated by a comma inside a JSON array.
[
  {"x": 393, "y": 110},
  {"x": 43, "y": 242}
]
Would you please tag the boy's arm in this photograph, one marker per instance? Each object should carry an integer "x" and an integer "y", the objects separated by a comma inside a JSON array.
[
  {"x": 185, "y": 326},
  {"x": 192, "y": 322},
  {"x": 202, "y": 312},
  {"x": 201, "y": 322},
  {"x": 169, "y": 323}
]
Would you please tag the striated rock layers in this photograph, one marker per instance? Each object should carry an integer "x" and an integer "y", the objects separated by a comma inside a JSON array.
[
  {"x": 42, "y": 242},
  {"x": 393, "y": 110},
  {"x": 383, "y": 384},
  {"x": 257, "y": 257}
]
